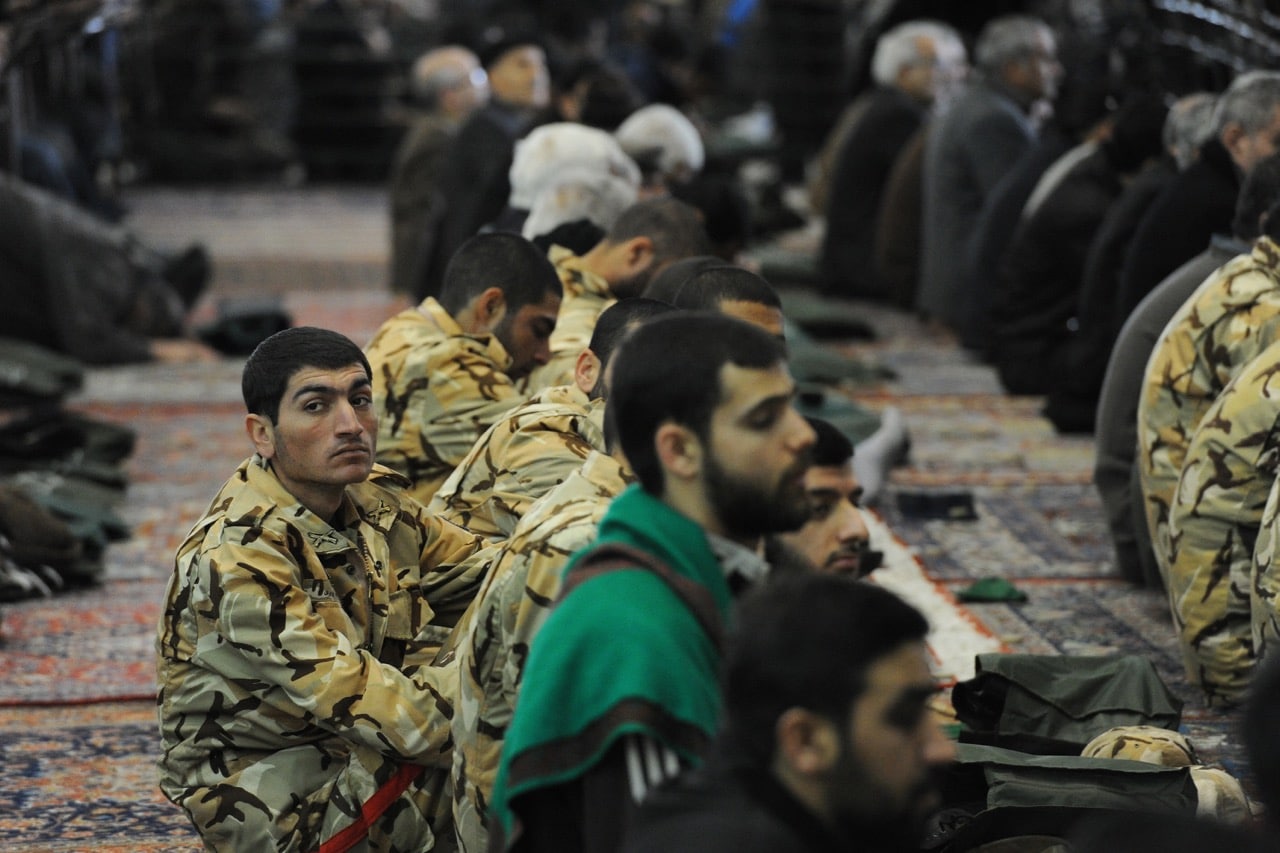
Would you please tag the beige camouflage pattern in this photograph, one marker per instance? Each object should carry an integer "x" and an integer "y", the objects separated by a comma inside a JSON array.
[
  {"x": 1226, "y": 323},
  {"x": 435, "y": 390},
  {"x": 526, "y": 454},
  {"x": 1213, "y": 527},
  {"x": 294, "y": 667},
  {"x": 586, "y": 295},
  {"x": 497, "y": 631}
]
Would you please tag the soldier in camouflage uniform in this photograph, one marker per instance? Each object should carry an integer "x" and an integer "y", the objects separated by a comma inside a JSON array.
[
  {"x": 497, "y": 631},
  {"x": 1213, "y": 526},
  {"x": 1226, "y": 323},
  {"x": 536, "y": 445},
  {"x": 646, "y": 237},
  {"x": 298, "y": 705},
  {"x": 444, "y": 372}
]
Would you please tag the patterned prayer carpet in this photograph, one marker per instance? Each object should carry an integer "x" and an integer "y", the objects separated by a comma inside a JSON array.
[{"x": 77, "y": 721}]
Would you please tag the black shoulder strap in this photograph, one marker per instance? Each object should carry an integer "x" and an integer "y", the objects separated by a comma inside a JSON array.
[{"x": 608, "y": 557}]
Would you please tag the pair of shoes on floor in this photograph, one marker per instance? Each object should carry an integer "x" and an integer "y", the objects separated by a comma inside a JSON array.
[{"x": 880, "y": 452}]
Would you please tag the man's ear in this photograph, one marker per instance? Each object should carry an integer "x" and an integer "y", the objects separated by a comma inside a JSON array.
[
  {"x": 806, "y": 742},
  {"x": 262, "y": 434},
  {"x": 637, "y": 254},
  {"x": 679, "y": 450},
  {"x": 586, "y": 372},
  {"x": 490, "y": 308}
]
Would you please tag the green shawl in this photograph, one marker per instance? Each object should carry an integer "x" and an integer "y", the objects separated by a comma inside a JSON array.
[{"x": 623, "y": 654}]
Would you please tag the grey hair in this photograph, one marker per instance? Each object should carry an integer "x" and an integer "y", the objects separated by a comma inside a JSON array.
[
  {"x": 896, "y": 49},
  {"x": 431, "y": 75},
  {"x": 1188, "y": 126},
  {"x": 1006, "y": 39},
  {"x": 1250, "y": 101},
  {"x": 579, "y": 194}
]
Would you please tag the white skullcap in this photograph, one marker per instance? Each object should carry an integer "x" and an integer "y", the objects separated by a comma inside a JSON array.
[
  {"x": 664, "y": 130},
  {"x": 579, "y": 194},
  {"x": 547, "y": 151}
]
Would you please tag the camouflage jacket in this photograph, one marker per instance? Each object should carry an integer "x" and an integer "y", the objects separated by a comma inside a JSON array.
[
  {"x": 1264, "y": 579},
  {"x": 586, "y": 295},
  {"x": 294, "y": 666},
  {"x": 436, "y": 389},
  {"x": 519, "y": 459},
  {"x": 1226, "y": 323},
  {"x": 497, "y": 631},
  {"x": 1213, "y": 527}
]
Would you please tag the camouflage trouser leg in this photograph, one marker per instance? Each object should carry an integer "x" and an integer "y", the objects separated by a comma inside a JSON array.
[
  {"x": 1264, "y": 588},
  {"x": 1212, "y": 535},
  {"x": 369, "y": 804}
]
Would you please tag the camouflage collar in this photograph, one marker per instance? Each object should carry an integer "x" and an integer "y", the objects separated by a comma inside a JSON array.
[
  {"x": 363, "y": 502},
  {"x": 434, "y": 312},
  {"x": 577, "y": 279}
]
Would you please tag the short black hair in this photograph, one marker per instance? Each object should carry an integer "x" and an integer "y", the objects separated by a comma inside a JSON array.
[
  {"x": 669, "y": 370},
  {"x": 616, "y": 321},
  {"x": 832, "y": 447},
  {"x": 503, "y": 260},
  {"x": 665, "y": 285},
  {"x": 709, "y": 287},
  {"x": 274, "y": 362},
  {"x": 675, "y": 228},
  {"x": 807, "y": 640},
  {"x": 578, "y": 236},
  {"x": 725, "y": 208}
]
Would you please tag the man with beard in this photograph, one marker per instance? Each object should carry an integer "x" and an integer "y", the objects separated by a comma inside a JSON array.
[
  {"x": 299, "y": 705},
  {"x": 620, "y": 687},
  {"x": 835, "y": 539},
  {"x": 445, "y": 370},
  {"x": 828, "y": 743},
  {"x": 642, "y": 242}
]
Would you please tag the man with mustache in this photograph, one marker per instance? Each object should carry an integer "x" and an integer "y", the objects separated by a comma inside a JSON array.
[
  {"x": 299, "y": 707},
  {"x": 619, "y": 689},
  {"x": 828, "y": 742},
  {"x": 835, "y": 539}
]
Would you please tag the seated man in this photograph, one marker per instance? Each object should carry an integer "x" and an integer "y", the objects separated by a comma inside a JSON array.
[
  {"x": 536, "y": 445},
  {"x": 444, "y": 372},
  {"x": 1225, "y": 324},
  {"x": 835, "y": 539},
  {"x": 298, "y": 705},
  {"x": 702, "y": 405},
  {"x": 645, "y": 239},
  {"x": 1214, "y": 520},
  {"x": 812, "y": 757}
]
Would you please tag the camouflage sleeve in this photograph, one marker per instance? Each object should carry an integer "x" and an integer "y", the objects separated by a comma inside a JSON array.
[
  {"x": 452, "y": 568},
  {"x": 535, "y": 461},
  {"x": 290, "y": 648},
  {"x": 1264, "y": 598},
  {"x": 1213, "y": 526},
  {"x": 435, "y": 410}
]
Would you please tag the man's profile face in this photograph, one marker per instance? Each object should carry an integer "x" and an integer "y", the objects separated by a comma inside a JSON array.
[
  {"x": 520, "y": 77},
  {"x": 326, "y": 432},
  {"x": 1253, "y": 148},
  {"x": 757, "y": 453},
  {"x": 835, "y": 537},
  {"x": 526, "y": 334},
  {"x": 881, "y": 788}
]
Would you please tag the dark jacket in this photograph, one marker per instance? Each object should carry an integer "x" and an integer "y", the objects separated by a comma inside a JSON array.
[
  {"x": 862, "y": 167},
  {"x": 723, "y": 808},
  {"x": 1037, "y": 288},
  {"x": 1197, "y": 204}
]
